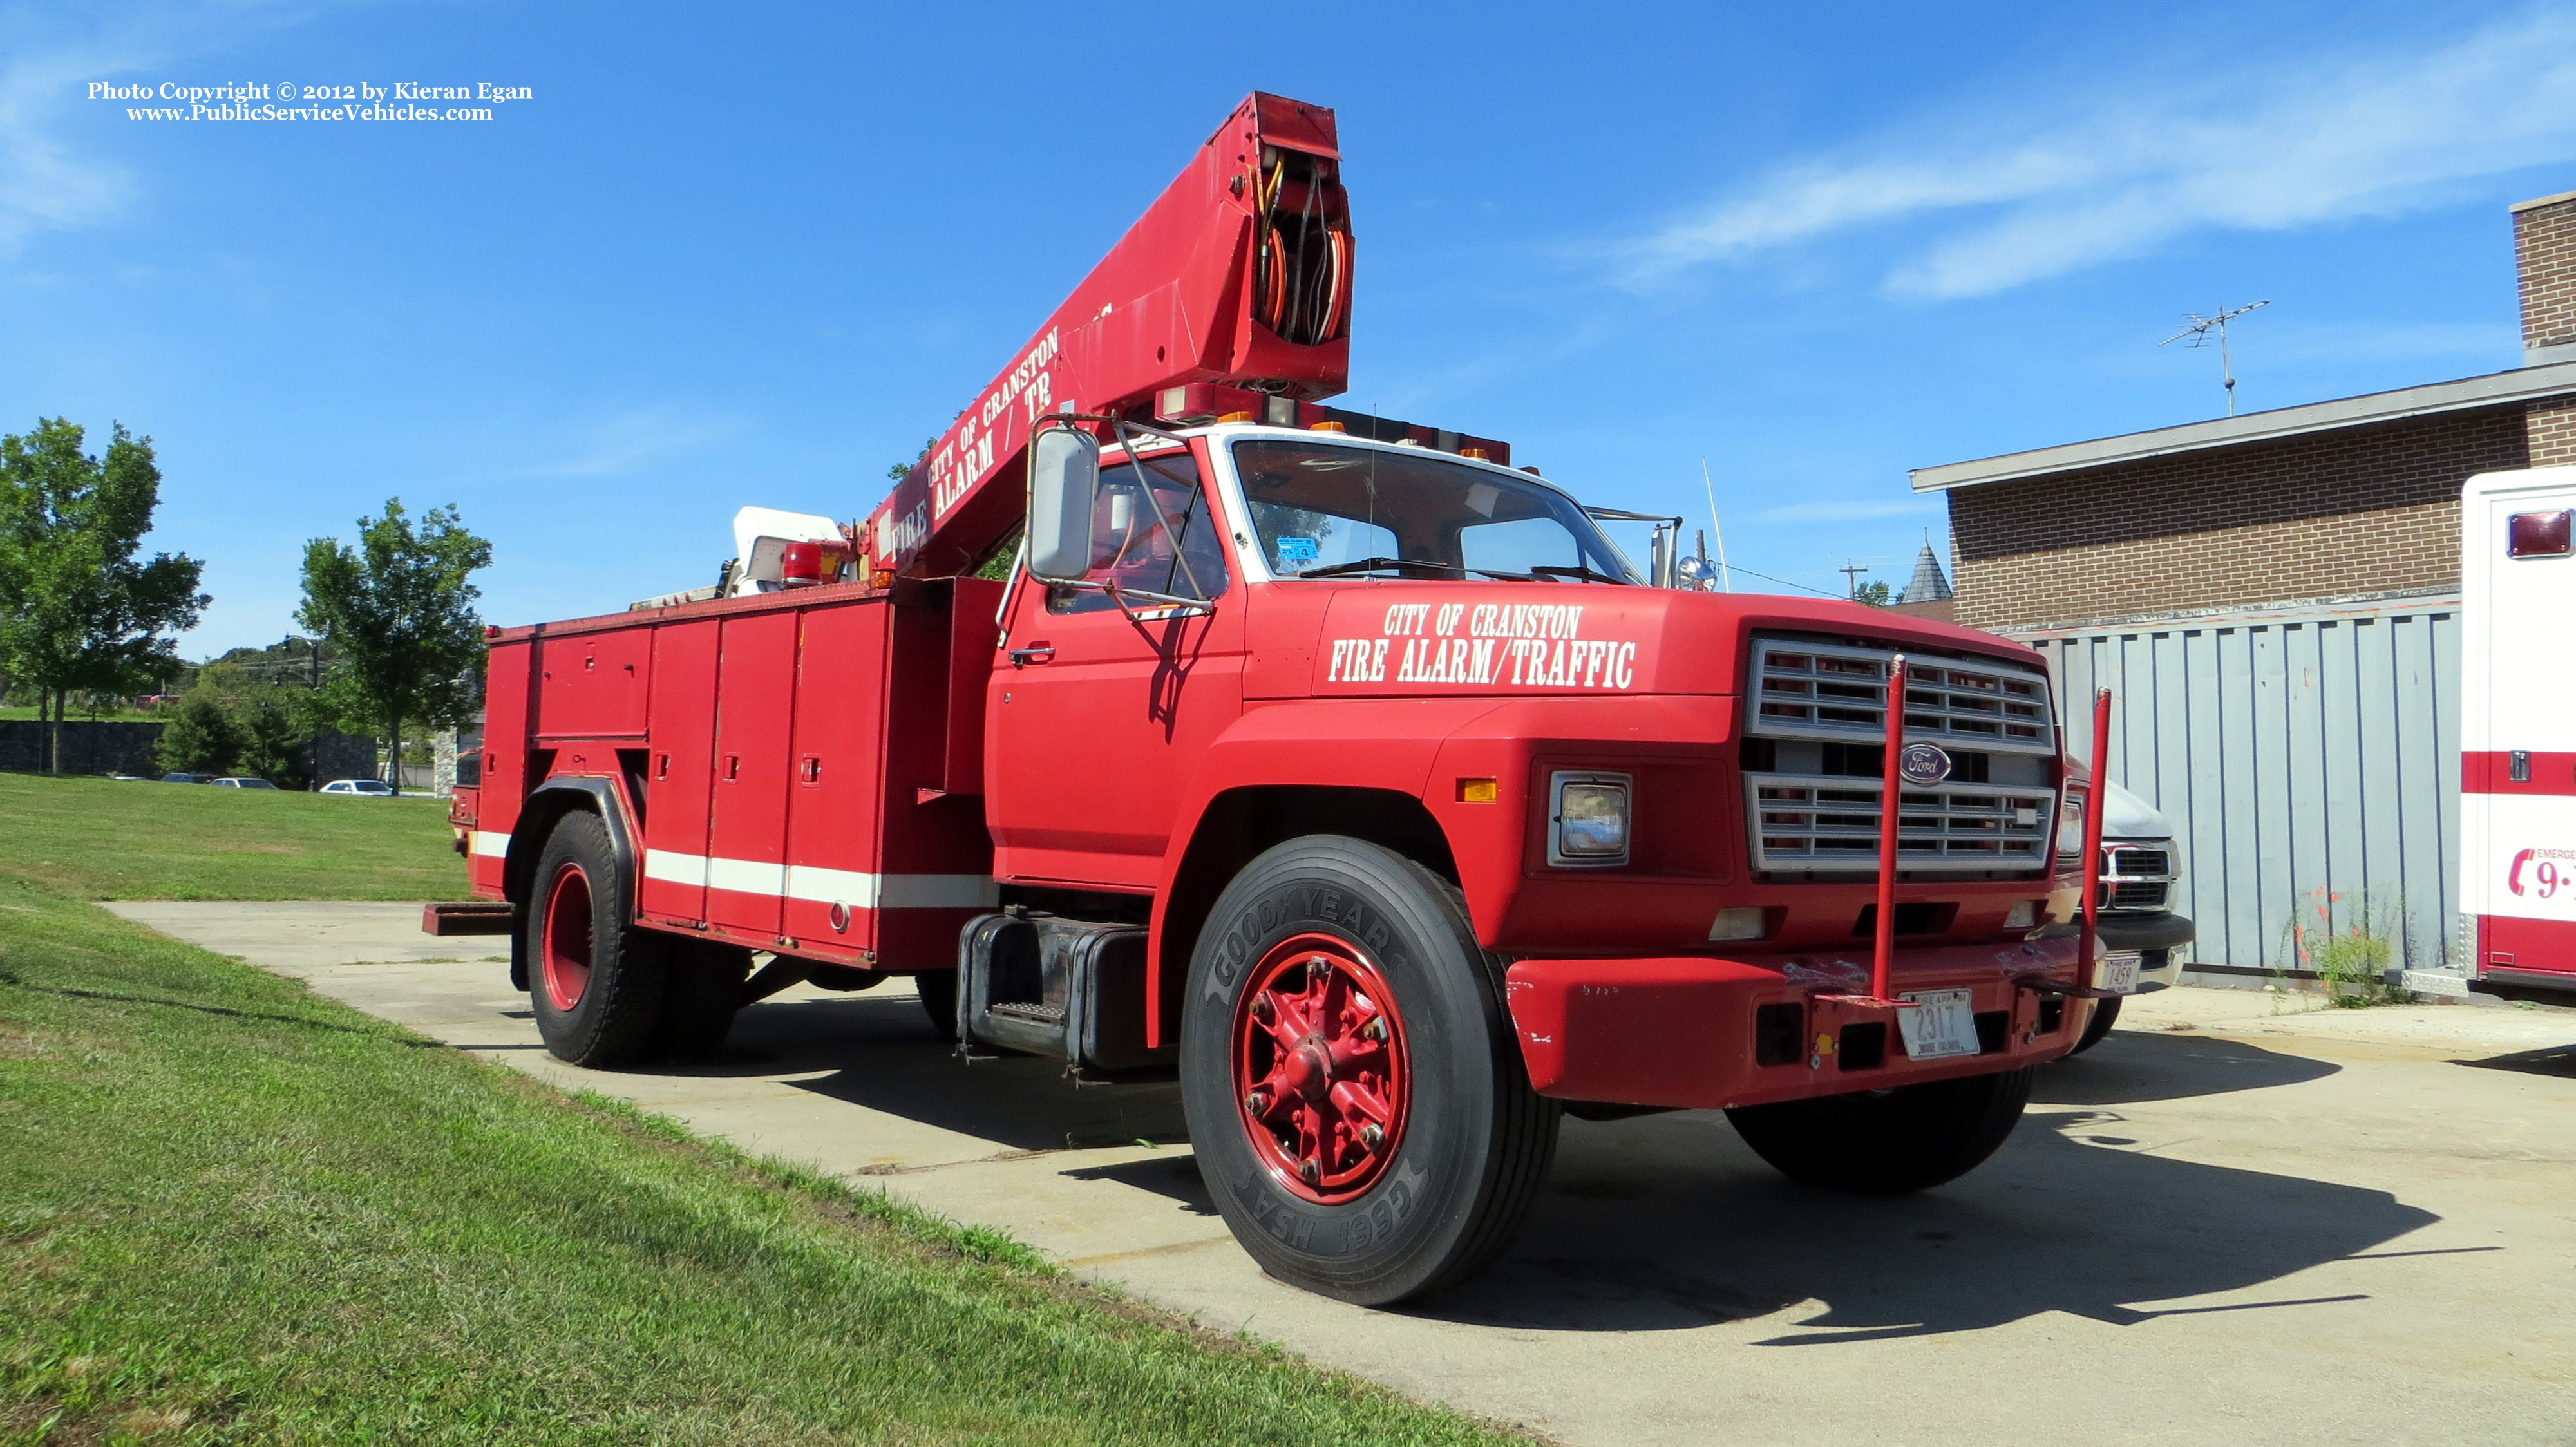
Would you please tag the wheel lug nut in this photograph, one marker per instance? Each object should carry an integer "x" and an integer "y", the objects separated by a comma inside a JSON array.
[
  {"x": 1309, "y": 1171},
  {"x": 1370, "y": 1135},
  {"x": 1375, "y": 1029},
  {"x": 1318, "y": 968},
  {"x": 1262, "y": 1009},
  {"x": 1257, "y": 1102}
]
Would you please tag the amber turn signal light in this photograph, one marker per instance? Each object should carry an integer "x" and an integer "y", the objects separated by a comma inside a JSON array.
[{"x": 1478, "y": 791}]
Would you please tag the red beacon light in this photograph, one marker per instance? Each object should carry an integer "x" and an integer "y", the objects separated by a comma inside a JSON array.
[
  {"x": 2538, "y": 535},
  {"x": 800, "y": 565}
]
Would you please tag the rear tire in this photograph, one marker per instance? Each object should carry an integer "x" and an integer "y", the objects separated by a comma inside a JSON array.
[
  {"x": 702, "y": 996},
  {"x": 1365, "y": 1123},
  {"x": 2105, "y": 1014},
  {"x": 596, "y": 981},
  {"x": 1888, "y": 1142}
]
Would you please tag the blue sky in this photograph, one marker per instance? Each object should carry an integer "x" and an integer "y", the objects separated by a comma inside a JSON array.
[{"x": 754, "y": 254}]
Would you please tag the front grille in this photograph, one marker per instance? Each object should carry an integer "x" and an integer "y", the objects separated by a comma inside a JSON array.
[
  {"x": 1815, "y": 821},
  {"x": 1837, "y": 691},
  {"x": 2137, "y": 877}
]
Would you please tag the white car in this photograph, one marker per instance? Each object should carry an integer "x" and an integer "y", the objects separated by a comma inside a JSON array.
[
  {"x": 238, "y": 782},
  {"x": 363, "y": 788}
]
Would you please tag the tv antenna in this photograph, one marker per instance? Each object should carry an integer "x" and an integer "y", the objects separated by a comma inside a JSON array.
[{"x": 2199, "y": 330}]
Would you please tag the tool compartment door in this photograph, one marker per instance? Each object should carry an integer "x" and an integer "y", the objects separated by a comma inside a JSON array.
[
  {"x": 835, "y": 796},
  {"x": 679, "y": 771},
  {"x": 747, "y": 814}
]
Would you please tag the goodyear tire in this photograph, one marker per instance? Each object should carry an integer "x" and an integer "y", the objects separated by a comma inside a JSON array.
[
  {"x": 596, "y": 981},
  {"x": 701, "y": 995},
  {"x": 1354, "y": 1090},
  {"x": 1888, "y": 1142},
  {"x": 2106, "y": 1013}
]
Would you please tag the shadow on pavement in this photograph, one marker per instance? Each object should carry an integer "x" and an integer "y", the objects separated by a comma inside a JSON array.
[
  {"x": 880, "y": 1053},
  {"x": 2132, "y": 1068},
  {"x": 1669, "y": 1222},
  {"x": 2558, "y": 1060}
]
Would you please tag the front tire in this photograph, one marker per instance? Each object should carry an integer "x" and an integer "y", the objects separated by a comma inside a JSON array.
[
  {"x": 2106, "y": 1013},
  {"x": 1355, "y": 1094},
  {"x": 596, "y": 981},
  {"x": 1888, "y": 1142}
]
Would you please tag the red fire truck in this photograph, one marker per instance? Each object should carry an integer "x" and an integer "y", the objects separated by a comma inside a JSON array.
[{"x": 1167, "y": 721}]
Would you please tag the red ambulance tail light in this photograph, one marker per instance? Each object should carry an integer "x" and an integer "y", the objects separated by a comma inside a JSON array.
[{"x": 2538, "y": 535}]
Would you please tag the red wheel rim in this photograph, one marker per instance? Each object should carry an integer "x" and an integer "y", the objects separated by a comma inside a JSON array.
[
  {"x": 566, "y": 944},
  {"x": 1321, "y": 1075}
]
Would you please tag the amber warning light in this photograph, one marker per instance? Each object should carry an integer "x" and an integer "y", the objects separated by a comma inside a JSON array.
[{"x": 2538, "y": 535}]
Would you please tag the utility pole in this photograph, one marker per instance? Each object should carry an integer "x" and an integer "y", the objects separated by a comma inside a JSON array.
[
  {"x": 2199, "y": 330},
  {"x": 1851, "y": 579}
]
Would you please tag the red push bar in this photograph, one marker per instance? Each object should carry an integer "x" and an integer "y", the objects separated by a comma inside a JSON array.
[
  {"x": 1891, "y": 803},
  {"x": 2093, "y": 807}
]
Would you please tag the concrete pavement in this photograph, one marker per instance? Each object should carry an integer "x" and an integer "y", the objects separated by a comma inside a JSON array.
[{"x": 2225, "y": 1224}]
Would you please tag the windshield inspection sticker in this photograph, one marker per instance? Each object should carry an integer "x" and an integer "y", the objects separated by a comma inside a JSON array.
[
  {"x": 1515, "y": 645},
  {"x": 1296, "y": 555}
]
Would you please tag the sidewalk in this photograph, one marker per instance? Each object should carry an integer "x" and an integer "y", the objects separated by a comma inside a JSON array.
[{"x": 2482, "y": 1029}]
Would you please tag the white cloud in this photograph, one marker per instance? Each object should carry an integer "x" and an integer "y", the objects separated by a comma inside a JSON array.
[
  {"x": 2015, "y": 194},
  {"x": 1844, "y": 512}
]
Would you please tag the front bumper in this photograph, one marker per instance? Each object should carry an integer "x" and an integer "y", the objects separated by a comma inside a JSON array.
[{"x": 1696, "y": 1032}]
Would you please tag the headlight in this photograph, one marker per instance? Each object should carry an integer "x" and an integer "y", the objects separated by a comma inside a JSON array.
[{"x": 1589, "y": 823}]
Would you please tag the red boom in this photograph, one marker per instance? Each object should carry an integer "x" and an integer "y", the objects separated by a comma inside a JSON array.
[{"x": 1240, "y": 274}]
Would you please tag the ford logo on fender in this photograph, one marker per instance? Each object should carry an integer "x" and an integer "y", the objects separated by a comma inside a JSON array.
[{"x": 1923, "y": 764}]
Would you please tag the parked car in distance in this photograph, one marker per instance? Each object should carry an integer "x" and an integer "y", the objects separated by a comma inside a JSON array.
[
  {"x": 2136, "y": 877},
  {"x": 232, "y": 782},
  {"x": 187, "y": 778},
  {"x": 366, "y": 788}
]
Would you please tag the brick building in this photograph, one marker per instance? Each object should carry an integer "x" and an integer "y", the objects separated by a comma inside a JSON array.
[{"x": 2273, "y": 599}]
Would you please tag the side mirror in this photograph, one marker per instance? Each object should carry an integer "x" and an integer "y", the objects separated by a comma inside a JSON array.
[{"x": 1064, "y": 479}]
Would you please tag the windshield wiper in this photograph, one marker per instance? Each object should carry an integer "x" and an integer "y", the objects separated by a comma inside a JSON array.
[
  {"x": 1550, "y": 570},
  {"x": 1371, "y": 565}
]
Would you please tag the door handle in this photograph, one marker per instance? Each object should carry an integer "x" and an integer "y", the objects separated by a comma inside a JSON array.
[{"x": 1034, "y": 653}]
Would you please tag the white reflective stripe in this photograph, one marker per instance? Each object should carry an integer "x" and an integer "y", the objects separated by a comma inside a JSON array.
[
  {"x": 832, "y": 886},
  {"x": 489, "y": 842},
  {"x": 672, "y": 868},
  {"x": 817, "y": 885},
  {"x": 746, "y": 876},
  {"x": 939, "y": 891}
]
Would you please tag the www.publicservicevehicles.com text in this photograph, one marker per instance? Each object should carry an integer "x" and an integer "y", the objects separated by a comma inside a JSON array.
[{"x": 288, "y": 101}]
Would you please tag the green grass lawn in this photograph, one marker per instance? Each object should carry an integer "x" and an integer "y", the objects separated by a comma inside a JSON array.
[
  {"x": 99, "y": 839},
  {"x": 234, "y": 1211},
  {"x": 231, "y": 1211}
]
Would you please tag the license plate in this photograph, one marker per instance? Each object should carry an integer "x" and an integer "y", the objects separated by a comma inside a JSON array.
[
  {"x": 1939, "y": 1026},
  {"x": 2436, "y": 982},
  {"x": 2117, "y": 974}
]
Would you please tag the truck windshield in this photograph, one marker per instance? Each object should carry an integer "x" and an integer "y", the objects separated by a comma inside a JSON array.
[{"x": 1359, "y": 511}]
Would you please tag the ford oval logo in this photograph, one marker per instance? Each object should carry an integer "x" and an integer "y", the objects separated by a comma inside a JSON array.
[{"x": 1923, "y": 764}]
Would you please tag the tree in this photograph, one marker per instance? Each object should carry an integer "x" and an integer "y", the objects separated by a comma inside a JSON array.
[
  {"x": 399, "y": 609},
  {"x": 1873, "y": 594},
  {"x": 77, "y": 610},
  {"x": 199, "y": 737},
  {"x": 273, "y": 738}
]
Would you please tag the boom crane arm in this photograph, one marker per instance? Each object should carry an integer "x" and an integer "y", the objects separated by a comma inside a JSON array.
[{"x": 1238, "y": 275}]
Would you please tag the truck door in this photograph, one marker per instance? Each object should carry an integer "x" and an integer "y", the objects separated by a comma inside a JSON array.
[
  {"x": 1099, "y": 714},
  {"x": 747, "y": 818}
]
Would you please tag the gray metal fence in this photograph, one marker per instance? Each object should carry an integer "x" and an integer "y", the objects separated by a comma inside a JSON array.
[{"x": 2296, "y": 751}]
